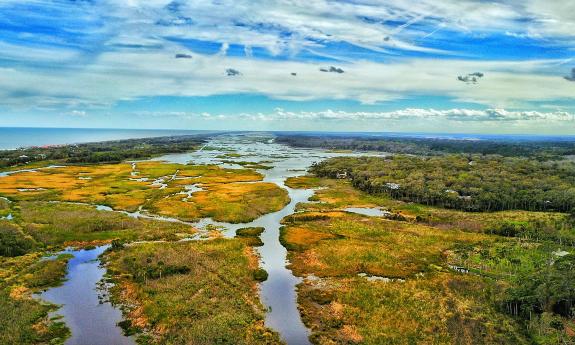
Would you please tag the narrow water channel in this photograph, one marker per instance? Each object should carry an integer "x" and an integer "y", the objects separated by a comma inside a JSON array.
[
  {"x": 91, "y": 321},
  {"x": 279, "y": 291},
  {"x": 97, "y": 322}
]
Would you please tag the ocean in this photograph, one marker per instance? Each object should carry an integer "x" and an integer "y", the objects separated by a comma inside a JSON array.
[{"x": 16, "y": 137}]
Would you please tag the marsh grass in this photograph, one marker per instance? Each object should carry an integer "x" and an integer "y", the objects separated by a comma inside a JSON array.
[
  {"x": 505, "y": 292},
  {"x": 227, "y": 196},
  {"x": 226, "y": 202},
  {"x": 211, "y": 298},
  {"x": 60, "y": 223},
  {"x": 431, "y": 303},
  {"x": 4, "y": 207},
  {"x": 440, "y": 308}
]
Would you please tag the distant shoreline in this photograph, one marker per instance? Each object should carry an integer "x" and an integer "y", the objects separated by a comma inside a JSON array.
[
  {"x": 24, "y": 137},
  {"x": 12, "y": 138}
]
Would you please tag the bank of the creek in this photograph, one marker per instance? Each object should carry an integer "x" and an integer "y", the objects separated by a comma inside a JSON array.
[
  {"x": 92, "y": 319},
  {"x": 278, "y": 293}
]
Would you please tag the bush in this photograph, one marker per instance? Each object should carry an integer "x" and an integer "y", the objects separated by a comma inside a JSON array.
[
  {"x": 13, "y": 242},
  {"x": 260, "y": 275}
]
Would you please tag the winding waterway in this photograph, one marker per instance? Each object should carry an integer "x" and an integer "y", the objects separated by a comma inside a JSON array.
[
  {"x": 88, "y": 319},
  {"x": 278, "y": 292}
]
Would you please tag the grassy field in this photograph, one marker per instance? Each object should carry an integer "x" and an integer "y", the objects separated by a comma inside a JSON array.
[
  {"x": 57, "y": 224},
  {"x": 339, "y": 194},
  {"x": 372, "y": 280},
  {"x": 24, "y": 319},
  {"x": 191, "y": 292},
  {"x": 227, "y": 202}
]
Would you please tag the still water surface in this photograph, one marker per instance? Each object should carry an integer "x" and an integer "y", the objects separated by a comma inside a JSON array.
[{"x": 92, "y": 322}]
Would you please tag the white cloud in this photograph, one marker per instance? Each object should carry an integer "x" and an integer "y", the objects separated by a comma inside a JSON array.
[
  {"x": 224, "y": 49},
  {"x": 115, "y": 74},
  {"x": 458, "y": 115},
  {"x": 126, "y": 75},
  {"x": 76, "y": 113}
]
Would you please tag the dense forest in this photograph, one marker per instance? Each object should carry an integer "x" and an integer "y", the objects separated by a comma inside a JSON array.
[
  {"x": 100, "y": 152},
  {"x": 542, "y": 150},
  {"x": 470, "y": 183}
]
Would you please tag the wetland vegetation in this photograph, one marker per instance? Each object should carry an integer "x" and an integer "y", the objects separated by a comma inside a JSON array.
[
  {"x": 200, "y": 292},
  {"x": 468, "y": 249},
  {"x": 437, "y": 275}
]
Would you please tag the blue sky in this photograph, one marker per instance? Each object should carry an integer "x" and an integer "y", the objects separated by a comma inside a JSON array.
[{"x": 365, "y": 65}]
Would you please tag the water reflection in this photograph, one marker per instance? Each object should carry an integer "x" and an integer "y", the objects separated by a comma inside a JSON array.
[{"x": 91, "y": 321}]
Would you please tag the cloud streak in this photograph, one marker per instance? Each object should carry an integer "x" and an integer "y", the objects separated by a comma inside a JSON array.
[
  {"x": 458, "y": 115},
  {"x": 92, "y": 54}
]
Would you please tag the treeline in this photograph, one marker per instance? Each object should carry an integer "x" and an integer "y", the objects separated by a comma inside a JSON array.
[
  {"x": 470, "y": 183},
  {"x": 542, "y": 150},
  {"x": 559, "y": 231},
  {"x": 108, "y": 151}
]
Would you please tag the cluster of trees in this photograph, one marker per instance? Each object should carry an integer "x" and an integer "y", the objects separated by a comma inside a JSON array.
[
  {"x": 542, "y": 150},
  {"x": 470, "y": 183},
  {"x": 545, "y": 288},
  {"x": 108, "y": 151}
]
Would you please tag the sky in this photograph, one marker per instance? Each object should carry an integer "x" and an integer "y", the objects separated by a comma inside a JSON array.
[{"x": 460, "y": 66}]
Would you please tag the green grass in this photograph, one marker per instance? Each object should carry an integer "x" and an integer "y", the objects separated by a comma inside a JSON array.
[
  {"x": 4, "y": 207},
  {"x": 251, "y": 236},
  {"x": 430, "y": 304},
  {"x": 24, "y": 320}
]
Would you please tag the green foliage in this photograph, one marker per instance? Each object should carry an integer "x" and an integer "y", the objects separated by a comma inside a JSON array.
[
  {"x": 57, "y": 223},
  {"x": 466, "y": 183},
  {"x": 251, "y": 236},
  {"x": 45, "y": 273},
  {"x": 152, "y": 269},
  {"x": 545, "y": 288},
  {"x": 260, "y": 275},
  {"x": 537, "y": 282},
  {"x": 20, "y": 320},
  {"x": 250, "y": 232},
  {"x": 108, "y": 151},
  {"x": 23, "y": 319},
  {"x": 4, "y": 206},
  {"x": 560, "y": 230},
  {"x": 542, "y": 150}
]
